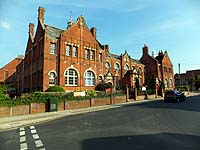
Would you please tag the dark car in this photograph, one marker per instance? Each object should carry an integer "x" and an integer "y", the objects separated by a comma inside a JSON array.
[{"x": 174, "y": 96}]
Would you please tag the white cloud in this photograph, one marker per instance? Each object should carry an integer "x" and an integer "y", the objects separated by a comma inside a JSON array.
[{"x": 4, "y": 25}]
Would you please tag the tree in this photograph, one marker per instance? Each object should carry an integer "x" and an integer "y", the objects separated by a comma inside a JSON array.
[{"x": 197, "y": 82}]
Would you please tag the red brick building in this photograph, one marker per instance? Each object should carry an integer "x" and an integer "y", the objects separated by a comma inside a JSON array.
[
  {"x": 158, "y": 70},
  {"x": 72, "y": 58},
  {"x": 8, "y": 72},
  {"x": 191, "y": 79}
]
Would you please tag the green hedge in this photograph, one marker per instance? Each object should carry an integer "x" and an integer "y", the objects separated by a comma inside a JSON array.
[
  {"x": 45, "y": 97},
  {"x": 55, "y": 89}
]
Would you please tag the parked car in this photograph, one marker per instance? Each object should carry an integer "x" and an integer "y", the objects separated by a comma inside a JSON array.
[{"x": 174, "y": 96}]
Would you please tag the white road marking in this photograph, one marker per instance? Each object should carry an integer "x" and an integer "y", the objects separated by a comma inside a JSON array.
[
  {"x": 35, "y": 136},
  {"x": 22, "y": 139},
  {"x": 22, "y": 133},
  {"x": 21, "y": 129},
  {"x": 32, "y": 127},
  {"x": 23, "y": 146},
  {"x": 38, "y": 143},
  {"x": 33, "y": 131}
]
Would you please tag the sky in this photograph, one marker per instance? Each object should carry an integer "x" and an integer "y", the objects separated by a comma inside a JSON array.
[{"x": 172, "y": 25}]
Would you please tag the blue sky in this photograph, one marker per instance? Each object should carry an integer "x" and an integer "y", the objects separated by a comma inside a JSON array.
[{"x": 172, "y": 25}]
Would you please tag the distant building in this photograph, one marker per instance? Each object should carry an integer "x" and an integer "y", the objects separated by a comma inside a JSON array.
[
  {"x": 8, "y": 72},
  {"x": 190, "y": 78},
  {"x": 72, "y": 58},
  {"x": 158, "y": 70}
]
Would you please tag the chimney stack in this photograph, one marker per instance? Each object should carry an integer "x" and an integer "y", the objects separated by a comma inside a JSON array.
[
  {"x": 93, "y": 30},
  {"x": 41, "y": 11},
  {"x": 31, "y": 29},
  {"x": 107, "y": 47},
  {"x": 145, "y": 49}
]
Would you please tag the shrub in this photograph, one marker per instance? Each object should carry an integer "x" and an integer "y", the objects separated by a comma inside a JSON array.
[
  {"x": 103, "y": 86},
  {"x": 55, "y": 89}
]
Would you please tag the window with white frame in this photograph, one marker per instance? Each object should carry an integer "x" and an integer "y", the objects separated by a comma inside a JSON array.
[
  {"x": 75, "y": 51},
  {"x": 52, "y": 48},
  {"x": 126, "y": 67},
  {"x": 71, "y": 77},
  {"x": 68, "y": 50},
  {"x": 89, "y": 78},
  {"x": 116, "y": 66},
  {"x": 92, "y": 54},
  {"x": 107, "y": 65},
  {"x": 52, "y": 77},
  {"x": 87, "y": 51}
]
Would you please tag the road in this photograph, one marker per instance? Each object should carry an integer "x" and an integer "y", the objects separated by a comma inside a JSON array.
[{"x": 154, "y": 125}]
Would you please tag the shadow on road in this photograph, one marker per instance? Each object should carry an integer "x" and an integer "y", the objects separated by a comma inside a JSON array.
[
  {"x": 191, "y": 104},
  {"x": 162, "y": 141}
]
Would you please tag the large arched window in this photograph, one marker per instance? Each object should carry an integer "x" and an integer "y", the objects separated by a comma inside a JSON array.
[
  {"x": 116, "y": 66},
  {"x": 52, "y": 77},
  {"x": 126, "y": 67},
  {"x": 107, "y": 65},
  {"x": 89, "y": 78},
  {"x": 71, "y": 77}
]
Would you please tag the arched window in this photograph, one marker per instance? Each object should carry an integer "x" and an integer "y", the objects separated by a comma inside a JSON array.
[
  {"x": 116, "y": 66},
  {"x": 133, "y": 68},
  {"x": 89, "y": 78},
  {"x": 100, "y": 79},
  {"x": 52, "y": 77},
  {"x": 165, "y": 83},
  {"x": 139, "y": 70},
  {"x": 126, "y": 67},
  {"x": 107, "y": 65},
  {"x": 71, "y": 77}
]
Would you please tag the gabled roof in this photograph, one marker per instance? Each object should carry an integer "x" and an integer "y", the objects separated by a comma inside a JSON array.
[
  {"x": 52, "y": 32},
  {"x": 117, "y": 57}
]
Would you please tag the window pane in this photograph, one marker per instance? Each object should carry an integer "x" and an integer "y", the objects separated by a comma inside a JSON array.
[
  {"x": 52, "y": 48},
  {"x": 68, "y": 50},
  {"x": 100, "y": 57},
  {"x": 75, "y": 51},
  {"x": 92, "y": 55},
  {"x": 107, "y": 65},
  {"x": 89, "y": 78},
  {"x": 71, "y": 77},
  {"x": 86, "y": 54}
]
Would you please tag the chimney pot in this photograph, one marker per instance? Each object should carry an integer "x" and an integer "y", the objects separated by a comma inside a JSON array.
[{"x": 41, "y": 11}]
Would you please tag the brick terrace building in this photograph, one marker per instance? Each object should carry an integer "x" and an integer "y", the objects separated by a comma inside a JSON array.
[
  {"x": 158, "y": 69},
  {"x": 72, "y": 58},
  {"x": 187, "y": 79},
  {"x": 8, "y": 72}
]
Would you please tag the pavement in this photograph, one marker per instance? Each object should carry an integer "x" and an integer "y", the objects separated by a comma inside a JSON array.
[{"x": 14, "y": 122}]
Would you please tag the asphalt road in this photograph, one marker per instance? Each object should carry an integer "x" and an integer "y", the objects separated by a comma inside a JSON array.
[{"x": 154, "y": 125}]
